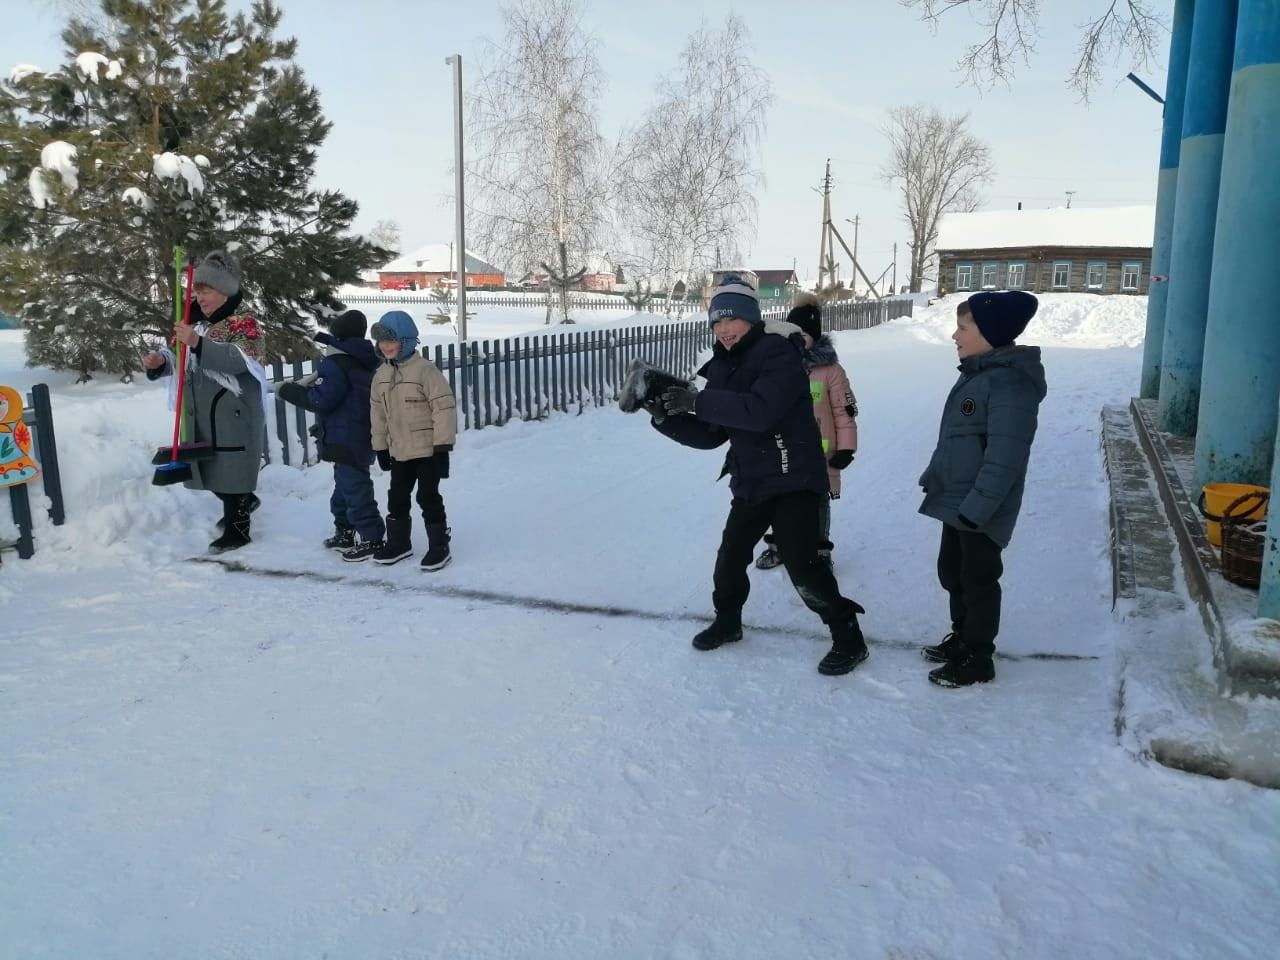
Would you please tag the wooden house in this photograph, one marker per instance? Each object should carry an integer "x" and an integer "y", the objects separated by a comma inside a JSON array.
[{"x": 1104, "y": 250}]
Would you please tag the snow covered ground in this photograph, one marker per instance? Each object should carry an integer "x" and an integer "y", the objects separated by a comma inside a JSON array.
[{"x": 487, "y": 762}]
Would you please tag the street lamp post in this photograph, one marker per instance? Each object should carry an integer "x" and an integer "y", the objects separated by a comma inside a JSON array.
[{"x": 461, "y": 275}]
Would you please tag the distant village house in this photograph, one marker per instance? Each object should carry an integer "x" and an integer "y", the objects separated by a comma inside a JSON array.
[
  {"x": 1105, "y": 250},
  {"x": 432, "y": 265}
]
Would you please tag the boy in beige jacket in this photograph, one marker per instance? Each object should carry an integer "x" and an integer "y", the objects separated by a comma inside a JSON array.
[{"x": 414, "y": 423}]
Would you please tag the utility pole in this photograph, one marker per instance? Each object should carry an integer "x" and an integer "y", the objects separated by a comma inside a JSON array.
[
  {"x": 1070, "y": 194},
  {"x": 461, "y": 274},
  {"x": 824, "y": 245},
  {"x": 857, "y": 218},
  {"x": 895, "y": 267}
]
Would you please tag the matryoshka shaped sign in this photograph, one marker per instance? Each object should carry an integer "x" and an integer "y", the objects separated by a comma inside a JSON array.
[{"x": 16, "y": 465}]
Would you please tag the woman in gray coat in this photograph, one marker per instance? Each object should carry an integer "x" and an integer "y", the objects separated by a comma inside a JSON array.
[{"x": 225, "y": 394}]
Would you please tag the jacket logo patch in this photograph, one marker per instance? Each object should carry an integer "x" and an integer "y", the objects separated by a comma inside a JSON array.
[{"x": 968, "y": 406}]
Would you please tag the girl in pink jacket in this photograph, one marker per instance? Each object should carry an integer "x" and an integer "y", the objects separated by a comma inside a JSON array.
[{"x": 835, "y": 407}]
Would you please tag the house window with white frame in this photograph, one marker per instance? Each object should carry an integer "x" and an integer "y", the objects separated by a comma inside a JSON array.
[
  {"x": 1061, "y": 274},
  {"x": 1095, "y": 275},
  {"x": 989, "y": 272},
  {"x": 1017, "y": 276},
  {"x": 964, "y": 276},
  {"x": 1129, "y": 274}
]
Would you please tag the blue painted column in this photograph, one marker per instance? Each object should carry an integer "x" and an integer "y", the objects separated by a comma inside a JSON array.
[
  {"x": 1166, "y": 190},
  {"x": 1269, "y": 594},
  {"x": 1240, "y": 382},
  {"x": 1204, "y": 118}
]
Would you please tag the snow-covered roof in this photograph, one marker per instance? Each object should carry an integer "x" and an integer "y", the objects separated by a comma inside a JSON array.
[
  {"x": 1060, "y": 227},
  {"x": 435, "y": 258}
]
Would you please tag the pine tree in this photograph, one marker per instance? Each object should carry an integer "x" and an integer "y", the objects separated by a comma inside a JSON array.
[{"x": 179, "y": 125}]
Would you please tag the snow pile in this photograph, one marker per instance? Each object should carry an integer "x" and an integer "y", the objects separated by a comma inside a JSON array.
[
  {"x": 1072, "y": 320},
  {"x": 134, "y": 195},
  {"x": 172, "y": 166},
  {"x": 89, "y": 62},
  {"x": 60, "y": 157},
  {"x": 21, "y": 71}
]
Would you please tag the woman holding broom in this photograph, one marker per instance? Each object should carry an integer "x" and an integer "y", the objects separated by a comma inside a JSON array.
[{"x": 225, "y": 393}]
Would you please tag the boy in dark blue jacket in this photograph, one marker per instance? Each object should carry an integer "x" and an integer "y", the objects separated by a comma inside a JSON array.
[
  {"x": 338, "y": 393},
  {"x": 974, "y": 480},
  {"x": 757, "y": 398}
]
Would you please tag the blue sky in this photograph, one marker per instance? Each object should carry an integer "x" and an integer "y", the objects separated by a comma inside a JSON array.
[{"x": 836, "y": 68}]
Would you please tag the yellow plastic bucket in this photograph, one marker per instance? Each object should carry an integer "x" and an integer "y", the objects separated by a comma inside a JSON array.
[{"x": 1218, "y": 497}]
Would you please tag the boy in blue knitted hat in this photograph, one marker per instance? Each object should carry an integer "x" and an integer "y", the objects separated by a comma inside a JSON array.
[
  {"x": 974, "y": 480},
  {"x": 757, "y": 400}
]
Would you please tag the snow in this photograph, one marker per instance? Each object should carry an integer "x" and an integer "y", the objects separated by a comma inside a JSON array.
[
  {"x": 134, "y": 195},
  {"x": 38, "y": 188},
  {"x": 1132, "y": 226},
  {"x": 21, "y": 71},
  {"x": 201, "y": 161},
  {"x": 171, "y": 166},
  {"x": 89, "y": 62},
  {"x": 60, "y": 157},
  {"x": 201, "y": 763}
]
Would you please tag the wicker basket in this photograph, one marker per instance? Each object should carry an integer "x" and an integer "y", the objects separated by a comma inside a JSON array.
[{"x": 1242, "y": 543}]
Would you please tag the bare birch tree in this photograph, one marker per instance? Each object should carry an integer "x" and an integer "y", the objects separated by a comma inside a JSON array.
[
  {"x": 386, "y": 234},
  {"x": 1011, "y": 27},
  {"x": 689, "y": 172},
  {"x": 938, "y": 166},
  {"x": 537, "y": 158}
]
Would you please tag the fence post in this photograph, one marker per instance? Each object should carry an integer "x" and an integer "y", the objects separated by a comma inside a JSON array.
[
  {"x": 300, "y": 420},
  {"x": 47, "y": 447},
  {"x": 21, "y": 505},
  {"x": 282, "y": 417}
]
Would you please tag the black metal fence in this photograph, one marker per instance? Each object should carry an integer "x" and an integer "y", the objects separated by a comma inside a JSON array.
[
  {"x": 529, "y": 378},
  {"x": 38, "y": 416}
]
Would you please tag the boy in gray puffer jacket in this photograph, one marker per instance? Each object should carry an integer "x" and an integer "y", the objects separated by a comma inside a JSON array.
[{"x": 974, "y": 481}]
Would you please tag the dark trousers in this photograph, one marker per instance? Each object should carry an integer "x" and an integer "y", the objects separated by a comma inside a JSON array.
[
  {"x": 969, "y": 569},
  {"x": 795, "y": 518},
  {"x": 406, "y": 473},
  {"x": 353, "y": 502}
]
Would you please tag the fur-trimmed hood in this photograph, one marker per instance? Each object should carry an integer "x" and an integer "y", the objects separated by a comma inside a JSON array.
[{"x": 821, "y": 354}]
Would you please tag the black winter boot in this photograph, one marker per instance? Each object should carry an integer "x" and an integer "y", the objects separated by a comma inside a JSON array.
[
  {"x": 398, "y": 544},
  {"x": 437, "y": 556},
  {"x": 848, "y": 648},
  {"x": 235, "y": 526},
  {"x": 363, "y": 550},
  {"x": 343, "y": 539},
  {"x": 951, "y": 648},
  {"x": 253, "y": 503},
  {"x": 964, "y": 671},
  {"x": 725, "y": 628}
]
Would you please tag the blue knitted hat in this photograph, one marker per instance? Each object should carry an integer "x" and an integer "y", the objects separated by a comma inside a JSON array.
[{"x": 734, "y": 297}]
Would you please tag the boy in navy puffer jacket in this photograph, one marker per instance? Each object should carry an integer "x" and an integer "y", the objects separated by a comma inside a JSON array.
[
  {"x": 974, "y": 480},
  {"x": 338, "y": 392},
  {"x": 757, "y": 398}
]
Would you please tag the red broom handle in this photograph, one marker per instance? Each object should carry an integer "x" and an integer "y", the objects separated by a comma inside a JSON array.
[{"x": 182, "y": 362}]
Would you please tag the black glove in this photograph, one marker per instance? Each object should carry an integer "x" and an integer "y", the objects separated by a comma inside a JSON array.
[
  {"x": 440, "y": 457},
  {"x": 656, "y": 409},
  {"x": 966, "y": 521},
  {"x": 841, "y": 459},
  {"x": 679, "y": 399},
  {"x": 384, "y": 459}
]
